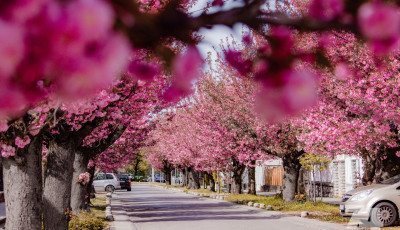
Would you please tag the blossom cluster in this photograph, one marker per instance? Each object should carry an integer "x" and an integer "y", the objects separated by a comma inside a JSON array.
[
  {"x": 82, "y": 53},
  {"x": 7, "y": 151},
  {"x": 84, "y": 178},
  {"x": 22, "y": 142}
]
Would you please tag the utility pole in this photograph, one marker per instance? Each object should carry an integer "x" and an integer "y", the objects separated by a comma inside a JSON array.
[{"x": 152, "y": 174}]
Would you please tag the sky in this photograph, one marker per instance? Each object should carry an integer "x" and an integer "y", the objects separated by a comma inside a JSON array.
[{"x": 213, "y": 36}]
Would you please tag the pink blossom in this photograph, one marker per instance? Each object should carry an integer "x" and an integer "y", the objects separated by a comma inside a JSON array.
[
  {"x": 84, "y": 178},
  {"x": 380, "y": 23},
  {"x": 12, "y": 48},
  {"x": 90, "y": 164},
  {"x": 343, "y": 72},
  {"x": 298, "y": 93},
  {"x": 23, "y": 10},
  {"x": 282, "y": 45},
  {"x": 3, "y": 125},
  {"x": 97, "y": 70},
  {"x": 12, "y": 102},
  {"x": 326, "y": 9},
  {"x": 234, "y": 58},
  {"x": 143, "y": 71},
  {"x": 7, "y": 151},
  {"x": 90, "y": 19},
  {"x": 217, "y": 3},
  {"x": 22, "y": 142},
  {"x": 186, "y": 69}
]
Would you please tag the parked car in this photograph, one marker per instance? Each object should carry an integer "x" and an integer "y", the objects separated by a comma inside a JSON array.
[
  {"x": 376, "y": 204},
  {"x": 125, "y": 181},
  {"x": 158, "y": 178},
  {"x": 108, "y": 182}
]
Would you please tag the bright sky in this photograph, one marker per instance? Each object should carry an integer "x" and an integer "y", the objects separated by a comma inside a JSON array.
[{"x": 213, "y": 37}]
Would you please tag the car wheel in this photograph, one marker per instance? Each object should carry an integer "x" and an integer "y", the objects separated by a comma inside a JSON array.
[
  {"x": 129, "y": 189},
  {"x": 110, "y": 188},
  {"x": 383, "y": 214}
]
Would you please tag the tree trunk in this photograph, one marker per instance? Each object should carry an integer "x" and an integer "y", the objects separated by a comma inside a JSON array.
[
  {"x": 185, "y": 177},
  {"x": 89, "y": 187},
  {"x": 212, "y": 182},
  {"x": 237, "y": 184},
  {"x": 78, "y": 190},
  {"x": 237, "y": 180},
  {"x": 57, "y": 189},
  {"x": 369, "y": 169},
  {"x": 167, "y": 172},
  {"x": 252, "y": 179},
  {"x": 194, "y": 182},
  {"x": 23, "y": 187},
  {"x": 137, "y": 160},
  {"x": 291, "y": 167}
]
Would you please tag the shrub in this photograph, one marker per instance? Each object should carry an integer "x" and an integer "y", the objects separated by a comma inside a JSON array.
[{"x": 86, "y": 221}]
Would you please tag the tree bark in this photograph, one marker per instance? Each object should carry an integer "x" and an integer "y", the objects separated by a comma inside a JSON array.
[
  {"x": 23, "y": 187},
  {"x": 194, "y": 182},
  {"x": 378, "y": 169},
  {"x": 136, "y": 168},
  {"x": 89, "y": 187},
  {"x": 252, "y": 179},
  {"x": 369, "y": 168},
  {"x": 211, "y": 181},
  {"x": 78, "y": 190},
  {"x": 237, "y": 183},
  {"x": 291, "y": 166},
  {"x": 185, "y": 177},
  {"x": 57, "y": 189},
  {"x": 167, "y": 172},
  {"x": 79, "y": 201},
  {"x": 238, "y": 170}
]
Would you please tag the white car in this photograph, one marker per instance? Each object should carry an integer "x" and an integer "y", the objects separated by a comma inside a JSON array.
[
  {"x": 106, "y": 182},
  {"x": 376, "y": 204}
]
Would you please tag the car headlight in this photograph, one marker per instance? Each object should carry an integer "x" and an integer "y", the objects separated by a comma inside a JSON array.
[{"x": 361, "y": 195}]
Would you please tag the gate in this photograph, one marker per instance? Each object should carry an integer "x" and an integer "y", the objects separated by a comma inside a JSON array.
[{"x": 274, "y": 176}]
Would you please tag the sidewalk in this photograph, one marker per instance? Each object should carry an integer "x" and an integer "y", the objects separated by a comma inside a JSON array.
[{"x": 121, "y": 218}]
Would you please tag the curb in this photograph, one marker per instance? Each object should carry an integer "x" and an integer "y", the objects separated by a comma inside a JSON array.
[
  {"x": 109, "y": 215},
  {"x": 221, "y": 197}
]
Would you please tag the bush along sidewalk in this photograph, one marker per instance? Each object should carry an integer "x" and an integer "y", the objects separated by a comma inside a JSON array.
[
  {"x": 96, "y": 218},
  {"x": 299, "y": 207}
]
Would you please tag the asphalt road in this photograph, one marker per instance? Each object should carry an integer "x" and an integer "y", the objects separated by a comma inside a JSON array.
[{"x": 151, "y": 208}]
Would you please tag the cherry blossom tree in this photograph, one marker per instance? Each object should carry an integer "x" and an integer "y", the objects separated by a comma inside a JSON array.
[{"x": 89, "y": 42}]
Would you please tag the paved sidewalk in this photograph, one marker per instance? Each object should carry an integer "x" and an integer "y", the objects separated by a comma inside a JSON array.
[{"x": 121, "y": 218}]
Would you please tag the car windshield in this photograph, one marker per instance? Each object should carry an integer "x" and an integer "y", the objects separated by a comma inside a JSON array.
[{"x": 392, "y": 180}]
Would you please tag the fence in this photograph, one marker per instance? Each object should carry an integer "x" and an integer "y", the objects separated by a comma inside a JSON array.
[{"x": 273, "y": 176}]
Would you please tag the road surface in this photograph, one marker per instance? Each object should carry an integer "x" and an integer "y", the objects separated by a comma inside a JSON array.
[{"x": 152, "y": 208}]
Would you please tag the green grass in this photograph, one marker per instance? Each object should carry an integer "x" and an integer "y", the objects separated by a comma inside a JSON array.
[
  {"x": 201, "y": 190},
  {"x": 308, "y": 206},
  {"x": 319, "y": 210},
  {"x": 93, "y": 220}
]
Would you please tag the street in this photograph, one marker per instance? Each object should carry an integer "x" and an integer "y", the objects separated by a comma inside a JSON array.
[{"x": 152, "y": 208}]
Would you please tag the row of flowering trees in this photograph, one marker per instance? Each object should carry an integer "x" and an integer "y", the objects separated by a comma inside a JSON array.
[
  {"x": 72, "y": 134},
  {"x": 224, "y": 125}
]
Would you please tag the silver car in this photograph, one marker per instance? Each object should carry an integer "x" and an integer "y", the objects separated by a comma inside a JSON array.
[
  {"x": 376, "y": 204},
  {"x": 108, "y": 182}
]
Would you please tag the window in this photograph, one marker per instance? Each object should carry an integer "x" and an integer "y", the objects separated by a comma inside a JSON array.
[
  {"x": 109, "y": 177},
  {"x": 100, "y": 177}
]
